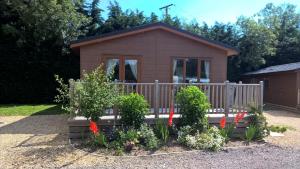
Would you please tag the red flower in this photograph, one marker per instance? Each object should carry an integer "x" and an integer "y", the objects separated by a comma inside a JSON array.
[
  {"x": 171, "y": 116},
  {"x": 239, "y": 117},
  {"x": 223, "y": 122},
  {"x": 94, "y": 127},
  {"x": 243, "y": 115}
]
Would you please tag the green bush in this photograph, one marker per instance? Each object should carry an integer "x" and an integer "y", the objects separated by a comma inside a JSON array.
[
  {"x": 148, "y": 137},
  {"x": 209, "y": 140},
  {"x": 128, "y": 139},
  {"x": 133, "y": 108},
  {"x": 193, "y": 106},
  {"x": 91, "y": 96},
  {"x": 183, "y": 133},
  {"x": 162, "y": 131},
  {"x": 258, "y": 120}
]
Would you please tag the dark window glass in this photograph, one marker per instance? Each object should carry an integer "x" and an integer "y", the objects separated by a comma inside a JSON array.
[
  {"x": 131, "y": 70},
  {"x": 191, "y": 71}
]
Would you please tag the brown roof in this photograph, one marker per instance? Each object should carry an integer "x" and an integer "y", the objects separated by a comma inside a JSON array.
[
  {"x": 277, "y": 68},
  {"x": 148, "y": 27}
]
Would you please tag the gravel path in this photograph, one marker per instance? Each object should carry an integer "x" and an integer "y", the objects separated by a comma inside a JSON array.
[
  {"x": 260, "y": 157},
  {"x": 41, "y": 142}
]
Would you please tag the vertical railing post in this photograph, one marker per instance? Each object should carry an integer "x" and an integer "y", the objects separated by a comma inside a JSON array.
[
  {"x": 71, "y": 94},
  {"x": 156, "y": 99},
  {"x": 227, "y": 99},
  {"x": 261, "y": 99}
]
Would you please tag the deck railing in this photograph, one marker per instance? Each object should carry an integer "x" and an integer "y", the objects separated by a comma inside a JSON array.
[{"x": 224, "y": 97}]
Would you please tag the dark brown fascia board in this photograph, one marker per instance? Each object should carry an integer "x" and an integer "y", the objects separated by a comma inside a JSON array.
[{"x": 145, "y": 28}]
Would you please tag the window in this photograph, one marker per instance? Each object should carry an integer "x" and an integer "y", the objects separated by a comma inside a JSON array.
[
  {"x": 112, "y": 68},
  {"x": 123, "y": 68},
  {"x": 205, "y": 70},
  {"x": 191, "y": 70},
  {"x": 178, "y": 71}
]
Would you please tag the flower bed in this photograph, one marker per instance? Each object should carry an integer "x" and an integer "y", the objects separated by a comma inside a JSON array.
[{"x": 134, "y": 135}]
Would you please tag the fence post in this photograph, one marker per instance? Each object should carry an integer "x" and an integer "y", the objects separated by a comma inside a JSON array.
[
  {"x": 261, "y": 106},
  {"x": 227, "y": 101},
  {"x": 71, "y": 94},
  {"x": 156, "y": 99}
]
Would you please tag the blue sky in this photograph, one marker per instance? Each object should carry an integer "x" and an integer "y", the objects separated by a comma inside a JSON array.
[{"x": 207, "y": 11}]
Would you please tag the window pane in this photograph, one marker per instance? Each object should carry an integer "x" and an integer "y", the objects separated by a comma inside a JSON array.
[
  {"x": 177, "y": 71},
  {"x": 112, "y": 69},
  {"x": 205, "y": 71},
  {"x": 131, "y": 70},
  {"x": 191, "y": 71}
]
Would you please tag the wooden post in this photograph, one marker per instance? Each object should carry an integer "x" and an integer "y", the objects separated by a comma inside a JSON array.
[
  {"x": 227, "y": 100},
  {"x": 71, "y": 94},
  {"x": 156, "y": 99},
  {"x": 261, "y": 83}
]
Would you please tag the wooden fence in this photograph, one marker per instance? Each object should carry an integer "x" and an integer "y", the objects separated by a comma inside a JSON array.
[{"x": 225, "y": 98}]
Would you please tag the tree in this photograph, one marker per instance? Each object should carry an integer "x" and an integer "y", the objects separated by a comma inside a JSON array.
[
  {"x": 284, "y": 22},
  {"x": 34, "y": 40}
]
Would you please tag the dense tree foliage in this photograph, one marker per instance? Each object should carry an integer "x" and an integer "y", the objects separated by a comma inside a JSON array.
[{"x": 35, "y": 36}]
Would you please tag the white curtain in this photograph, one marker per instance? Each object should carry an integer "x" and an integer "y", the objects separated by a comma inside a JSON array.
[
  {"x": 110, "y": 65},
  {"x": 174, "y": 65},
  {"x": 206, "y": 67},
  {"x": 133, "y": 67}
]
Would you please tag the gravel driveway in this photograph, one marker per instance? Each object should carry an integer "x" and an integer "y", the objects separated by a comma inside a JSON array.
[{"x": 41, "y": 142}]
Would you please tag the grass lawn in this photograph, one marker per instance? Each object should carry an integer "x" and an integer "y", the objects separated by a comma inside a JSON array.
[{"x": 29, "y": 110}]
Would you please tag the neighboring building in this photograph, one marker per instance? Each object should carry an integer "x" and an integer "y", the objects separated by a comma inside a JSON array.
[
  {"x": 156, "y": 52},
  {"x": 281, "y": 84}
]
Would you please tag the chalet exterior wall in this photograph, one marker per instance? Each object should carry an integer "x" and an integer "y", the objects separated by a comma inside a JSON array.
[{"x": 156, "y": 49}]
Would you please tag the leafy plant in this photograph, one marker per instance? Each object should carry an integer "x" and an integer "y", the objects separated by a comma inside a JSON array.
[
  {"x": 162, "y": 131},
  {"x": 183, "y": 133},
  {"x": 278, "y": 129},
  {"x": 258, "y": 120},
  {"x": 133, "y": 108},
  {"x": 148, "y": 137},
  {"x": 128, "y": 139},
  {"x": 90, "y": 97},
  {"x": 100, "y": 140},
  {"x": 227, "y": 131},
  {"x": 193, "y": 106},
  {"x": 250, "y": 133},
  {"x": 209, "y": 140}
]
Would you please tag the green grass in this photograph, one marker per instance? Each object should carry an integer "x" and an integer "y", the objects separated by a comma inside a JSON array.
[
  {"x": 29, "y": 110},
  {"x": 280, "y": 128}
]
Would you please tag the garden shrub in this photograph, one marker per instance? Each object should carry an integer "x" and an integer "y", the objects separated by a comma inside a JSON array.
[
  {"x": 128, "y": 139},
  {"x": 193, "y": 106},
  {"x": 258, "y": 120},
  {"x": 148, "y": 137},
  {"x": 208, "y": 140},
  {"x": 133, "y": 108},
  {"x": 92, "y": 95}
]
